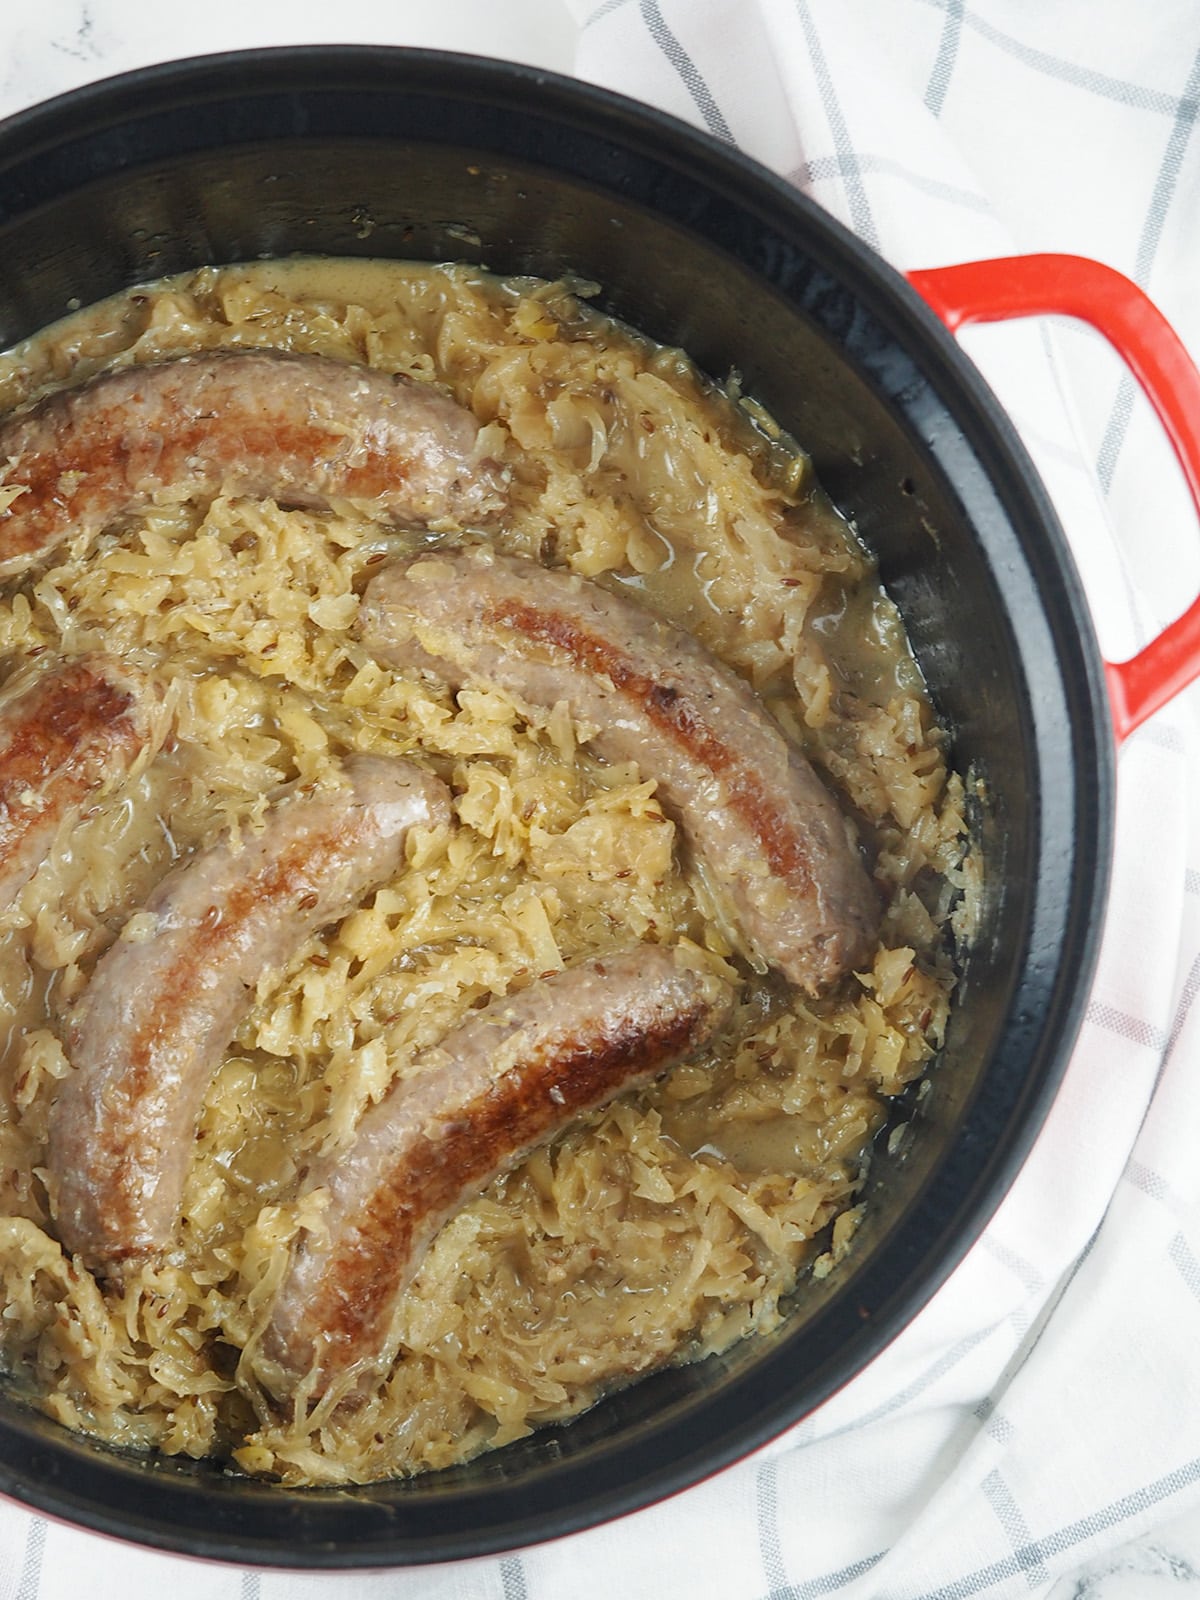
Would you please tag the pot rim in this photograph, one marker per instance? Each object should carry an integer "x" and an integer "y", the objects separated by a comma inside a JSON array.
[{"x": 562, "y": 1497}]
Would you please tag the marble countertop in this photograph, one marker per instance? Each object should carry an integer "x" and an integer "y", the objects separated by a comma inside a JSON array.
[
  {"x": 1162, "y": 1564},
  {"x": 58, "y": 44},
  {"x": 52, "y": 47}
]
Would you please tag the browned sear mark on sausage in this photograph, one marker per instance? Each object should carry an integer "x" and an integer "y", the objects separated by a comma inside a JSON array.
[
  {"x": 512, "y": 1076},
  {"x": 221, "y": 935},
  {"x": 72, "y": 734},
  {"x": 775, "y": 849},
  {"x": 675, "y": 713},
  {"x": 304, "y": 429},
  {"x": 162, "y": 1006},
  {"x": 556, "y": 1083}
]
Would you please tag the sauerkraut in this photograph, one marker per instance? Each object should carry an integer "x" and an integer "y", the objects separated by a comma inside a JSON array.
[{"x": 667, "y": 1226}]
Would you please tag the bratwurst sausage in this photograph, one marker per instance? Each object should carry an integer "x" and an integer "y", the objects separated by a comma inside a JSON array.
[
  {"x": 303, "y": 429},
  {"x": 769, "y": 832},
  {"x": 72, "y": 734},
  {"x": 164, "y": 1002},
  {"x": 509, "y": 1078}
]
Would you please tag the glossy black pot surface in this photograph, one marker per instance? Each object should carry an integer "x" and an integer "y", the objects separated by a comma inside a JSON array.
[{"x": 423, "y": 156}]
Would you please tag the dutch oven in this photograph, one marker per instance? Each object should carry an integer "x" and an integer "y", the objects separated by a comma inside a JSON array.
[{"x": 373, "y": 152}]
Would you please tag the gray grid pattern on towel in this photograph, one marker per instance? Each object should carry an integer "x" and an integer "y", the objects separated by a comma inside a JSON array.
[
  {"x": 1028, "y": 1562},
  {"x": 1031, "y": 1558},
  {"x": 1182, "y": 110},
  {"x": 849, "y": 165},
  {"x": 856, "y": 193}
]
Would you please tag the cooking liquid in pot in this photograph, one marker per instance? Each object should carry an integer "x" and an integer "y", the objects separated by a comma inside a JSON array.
[{"x": 660, "y": 1229}]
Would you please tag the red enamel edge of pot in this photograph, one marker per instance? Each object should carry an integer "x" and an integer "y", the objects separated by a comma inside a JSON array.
[{"x": 1074, "y": 286}]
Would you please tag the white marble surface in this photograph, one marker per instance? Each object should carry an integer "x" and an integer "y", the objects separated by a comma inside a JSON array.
[
  {"x": 53, "y": 45},
  {"x": 1163, "y": 1563},
  {"x": 49, "y": 47}
]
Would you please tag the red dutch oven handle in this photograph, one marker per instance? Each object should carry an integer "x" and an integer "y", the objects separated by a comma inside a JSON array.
[{"x": 1043, "y": 285}]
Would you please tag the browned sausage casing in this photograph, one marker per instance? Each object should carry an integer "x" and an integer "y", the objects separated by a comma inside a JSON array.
[
  {"x": 161, "y": 1008},
  {"x": 770, "y": 833},
  {"x": 508, "y": 1079},
  {"x": 303, "y": 429},
  {"x": 74, "y": 733}
]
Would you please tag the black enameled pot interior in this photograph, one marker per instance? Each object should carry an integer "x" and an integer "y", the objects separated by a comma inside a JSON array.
[{"x": 424, "y": 156}]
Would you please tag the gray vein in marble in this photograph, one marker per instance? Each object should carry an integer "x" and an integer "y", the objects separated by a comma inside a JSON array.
[
  {"x": 1147, "y": 1560},
  {"x": 84, "y": 46}
]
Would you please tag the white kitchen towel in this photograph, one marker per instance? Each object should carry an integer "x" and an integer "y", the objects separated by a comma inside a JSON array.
[{"x": 1046, "y": 1405}]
